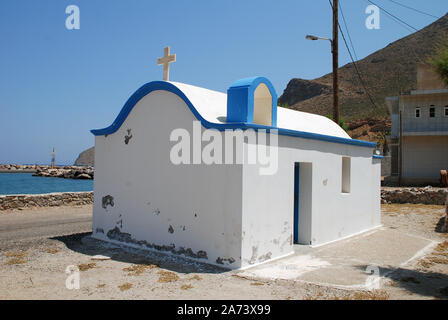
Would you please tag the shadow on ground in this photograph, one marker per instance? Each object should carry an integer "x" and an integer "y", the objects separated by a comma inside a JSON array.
[
  {"x": 84, "y": 244},
  {"x": 440, "y": 227},
  {"x": 429, "y": 284}
]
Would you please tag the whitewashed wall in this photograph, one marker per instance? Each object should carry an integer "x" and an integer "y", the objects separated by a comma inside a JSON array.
[
  {"x": 325, "y": 213},
  {"x": 200, "y": 204},
  {"x": 232, "y": 214}
]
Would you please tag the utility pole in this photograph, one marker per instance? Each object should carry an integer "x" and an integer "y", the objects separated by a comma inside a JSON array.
[
  {"x": 335, "y": 52},
  {"x": 400, "y": 146}
]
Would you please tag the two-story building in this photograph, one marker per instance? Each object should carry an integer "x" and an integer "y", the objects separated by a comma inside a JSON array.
[{"x": 419, "y": 135}]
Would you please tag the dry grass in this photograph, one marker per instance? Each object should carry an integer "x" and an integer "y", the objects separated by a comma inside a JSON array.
[
  {"x": 52, "y": 250},
  {"x": 257, "y": 284},
  {"x": 17, "y": 257},
  {"x": 425, "y": 263},
  {"x": 125, "y": 286},
  {"x": 16, "y": 254},
  {"x": 397, "y": 208},
  {"x": 438, "y": 259},
  {"x": 86, "y": 266},
  {"x": 186, "y": 287},
  {"x": 14, "y": 261},
  {"x": 167, "y": 276},
  {"x": 195, "y": 277},
  {"x": 358, "y": 295},
  {"x": 101, "y": 285},
  {"x": 438, "y": 256},
  {"x": 442, "y": 247},
  {"x": 138, "y": 269},
  {"x": 370, "y": 295}
]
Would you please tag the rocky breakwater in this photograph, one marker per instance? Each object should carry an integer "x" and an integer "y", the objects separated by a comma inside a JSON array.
[
  {"x": 426, "y": 195},
  {"x": 67, "y": 172},
  {"x": 18, "y": 168}
]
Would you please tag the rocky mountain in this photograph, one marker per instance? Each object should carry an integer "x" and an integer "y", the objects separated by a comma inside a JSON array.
[
  {"x": 386, "y": 72},
  {"x": 86, "y": 158}
]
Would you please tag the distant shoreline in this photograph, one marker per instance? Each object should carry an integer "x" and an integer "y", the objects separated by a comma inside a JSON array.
[
  {"x": 67, "y": 172},
  {"x": 18, "y": 171}
]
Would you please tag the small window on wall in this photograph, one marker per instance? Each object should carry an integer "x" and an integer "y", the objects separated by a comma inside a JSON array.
[
  {"x": 432, "y": 111},
  {"x": 417, "y": 112},
  {"x": 346, "y": 174},
  {"x": 445, "y": 112}
]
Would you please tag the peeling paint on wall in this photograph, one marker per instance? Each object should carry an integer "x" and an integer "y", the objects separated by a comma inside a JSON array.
[
  {"x": 116, "y": 234},
  {"x": 253, "y": 259},
  {"x": 287, "y": 241},
  {"x": 171, "y": 229},
  {"x": 265, "y": 257},
  {"x": 220, "y": 260},
  {"x": 128, "y": 136},
  {"x": 107, "y": 200}
]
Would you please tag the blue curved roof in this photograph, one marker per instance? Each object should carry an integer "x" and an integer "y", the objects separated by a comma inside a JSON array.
[
  {"x": 252, "y": 82},
  {"x": 163, "y": 85}
]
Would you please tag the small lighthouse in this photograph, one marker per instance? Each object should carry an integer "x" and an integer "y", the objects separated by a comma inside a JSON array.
[{"x": 53, "y": 158}]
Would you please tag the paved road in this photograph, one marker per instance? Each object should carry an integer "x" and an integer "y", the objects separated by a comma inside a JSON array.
[{"x": 45, "y": 223}]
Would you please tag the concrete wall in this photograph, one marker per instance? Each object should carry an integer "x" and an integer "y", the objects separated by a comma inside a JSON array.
[
  {"x": 21, "y": 201},
  {"x": 386, "y": 166},
  {"x": 425, "y": 124},
  {"x": 424, "y": 157},
  {"x": 428, "y": 79},
  {"x": 193, "y": 210}
]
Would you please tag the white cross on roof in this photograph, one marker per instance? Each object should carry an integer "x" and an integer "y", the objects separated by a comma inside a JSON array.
[{"x": 166, "y": 60}]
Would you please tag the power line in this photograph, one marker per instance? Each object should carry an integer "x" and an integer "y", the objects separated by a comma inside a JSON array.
[
  {"x": 402, "y": 23},
  {"x": 356, "y": 68},
  {"x": 393, "y": 16},
  {"x": 354, "y": 63},
  {"x": 416, "y": 10},
  {"x": 348, "y": 33}
]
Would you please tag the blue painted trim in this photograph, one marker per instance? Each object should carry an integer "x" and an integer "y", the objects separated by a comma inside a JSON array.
[
  {"x": 377, "y": 157},
  {"x": 240, "y": 100},
  {"x": 296, "y": 201},
  {"x": 162, "y": 85}
]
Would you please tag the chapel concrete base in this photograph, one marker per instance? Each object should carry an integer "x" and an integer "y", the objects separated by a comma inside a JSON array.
[{"x": 348, "y": 263}]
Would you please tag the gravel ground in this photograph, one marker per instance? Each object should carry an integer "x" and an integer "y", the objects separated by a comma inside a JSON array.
[{"x": 35, "y": 268}]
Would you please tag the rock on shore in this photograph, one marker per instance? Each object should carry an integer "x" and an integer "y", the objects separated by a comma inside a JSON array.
[
  {"x": 426, "y": 195},
  {"x": 17, "y": 167},
  {"x": 67, "y": 172}
]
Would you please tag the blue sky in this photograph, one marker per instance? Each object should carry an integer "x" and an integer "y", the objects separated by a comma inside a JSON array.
[{"x": 57, "y": 84}]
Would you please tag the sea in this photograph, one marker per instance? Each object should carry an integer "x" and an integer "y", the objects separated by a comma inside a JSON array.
[{"x": 25, "y": 183}]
